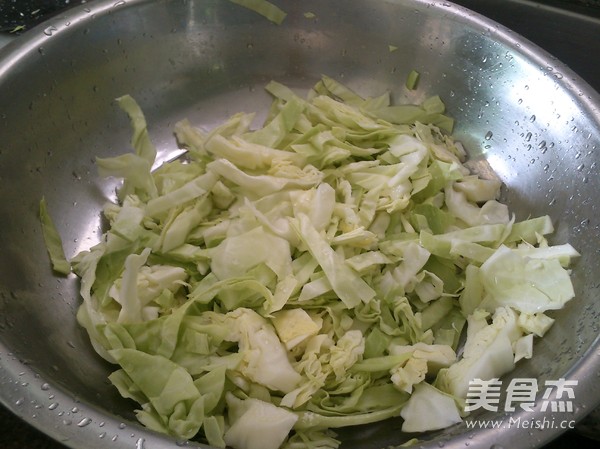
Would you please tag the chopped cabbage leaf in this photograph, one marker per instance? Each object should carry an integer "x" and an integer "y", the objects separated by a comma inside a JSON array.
[
  {"x": 412, "y": 79},
  {"x": 264, "y": 8},
  {"x": 134, "y": 168},
  {"x": 429, "y": 409},
  {"x": 526, "y": 284},
  {"x": 257, "y": 424},
  {"x": 347, "y": 284},
  {"x": 60, "y": 264},
  {"x": 487, "y": 354},
  {"x": 265, "y": 359},
  {"x": 172, "y": 402}
]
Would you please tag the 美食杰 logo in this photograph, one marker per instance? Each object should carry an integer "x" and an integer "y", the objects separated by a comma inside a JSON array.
[{"x": 521, "y": 393}]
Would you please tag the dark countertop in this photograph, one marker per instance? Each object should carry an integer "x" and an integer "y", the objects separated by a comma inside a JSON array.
[
  {"x": 16, "y": 434},
  {"x": 569, "y": 30}
]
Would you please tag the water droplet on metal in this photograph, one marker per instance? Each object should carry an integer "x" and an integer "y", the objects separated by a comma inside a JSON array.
[
  {"x": 102, "y": 435},
  {"x": 532, "y": 118},
  {"x": 84, "y": 422},
  {"x": 488, "y": 135},
  {"x": 45, "y": 387},
  {"x": 53, "y": 406},
  {"x": 20, "y": 401},
  {"x": 122, "y": 425},
  {"x": 139, "y": 444},
  {"x": 49, "y": 31}
]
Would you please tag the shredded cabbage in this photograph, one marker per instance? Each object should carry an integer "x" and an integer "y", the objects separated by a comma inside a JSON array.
[
  {"x": 315, "y": 273},
  {"x": 264, "y": 8}
]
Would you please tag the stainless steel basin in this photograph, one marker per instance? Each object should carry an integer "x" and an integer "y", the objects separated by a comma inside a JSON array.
[{"x": 519, "y": 111}]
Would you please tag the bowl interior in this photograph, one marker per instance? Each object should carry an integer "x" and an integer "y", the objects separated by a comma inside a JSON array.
[{"x": 519, "y": 113}]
